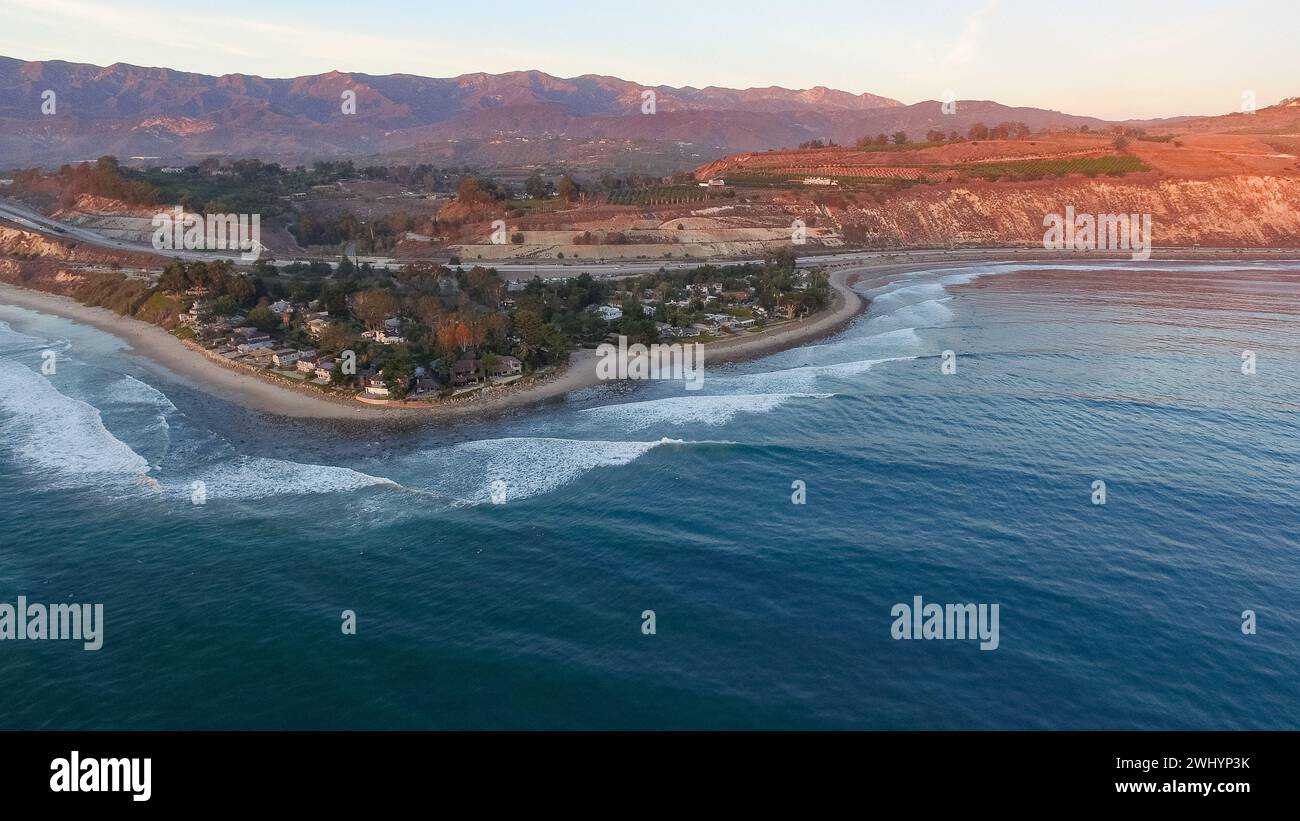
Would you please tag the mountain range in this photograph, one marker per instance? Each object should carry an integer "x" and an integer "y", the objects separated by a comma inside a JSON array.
[{"x": 176, "y": 116}]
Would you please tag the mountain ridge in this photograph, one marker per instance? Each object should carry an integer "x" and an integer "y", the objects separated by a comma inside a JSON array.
[{"x": 178, "y": 117}]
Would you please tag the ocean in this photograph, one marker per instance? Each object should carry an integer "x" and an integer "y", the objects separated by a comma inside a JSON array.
[{"x": 500, "y": 572}]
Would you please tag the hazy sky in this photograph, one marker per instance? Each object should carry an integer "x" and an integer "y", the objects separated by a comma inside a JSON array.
[{"x": 1107, "y": 58}]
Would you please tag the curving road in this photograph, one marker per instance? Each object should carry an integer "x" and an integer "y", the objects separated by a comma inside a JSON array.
[{"x": 32, "y": 220}]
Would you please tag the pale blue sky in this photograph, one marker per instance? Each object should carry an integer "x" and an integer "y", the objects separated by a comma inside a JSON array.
[{"x": 1107, "y": 58}]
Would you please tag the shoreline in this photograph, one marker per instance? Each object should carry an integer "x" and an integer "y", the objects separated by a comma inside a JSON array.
[{"x": 196, "y": 369}]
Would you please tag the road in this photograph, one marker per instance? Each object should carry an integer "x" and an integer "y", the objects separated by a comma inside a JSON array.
[{"x": 27, "y": 218}]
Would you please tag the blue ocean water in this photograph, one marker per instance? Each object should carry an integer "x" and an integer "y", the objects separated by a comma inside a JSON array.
[{"x": 970, "y": 487}]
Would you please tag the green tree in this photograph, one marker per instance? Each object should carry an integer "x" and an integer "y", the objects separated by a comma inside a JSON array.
[
  {"x": 568, "y": 189},
  {"x": 262, "y": 317},
  {"x": 535, "y": 186},
  {"x": 399, "y": 370},
  {"x": 225, "y": 305}
]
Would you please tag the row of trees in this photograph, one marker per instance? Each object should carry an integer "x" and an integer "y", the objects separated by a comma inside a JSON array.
[{"x": 977, "y": 131}]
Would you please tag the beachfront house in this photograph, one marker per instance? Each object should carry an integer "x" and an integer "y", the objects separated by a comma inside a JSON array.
[
  {"x": 373, "y": 385},
  {"x": 247, "y": 343},
  {"x": 466, "y": 372},
  {"x": 425, "y": 385},
  {"x": 284, "y": 357},
  {"x": 506, "y": 366}
]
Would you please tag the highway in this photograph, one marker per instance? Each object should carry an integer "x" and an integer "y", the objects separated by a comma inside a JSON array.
[
  {"x": 29, "y": 219},
  {"x": 32, "y": 220}
]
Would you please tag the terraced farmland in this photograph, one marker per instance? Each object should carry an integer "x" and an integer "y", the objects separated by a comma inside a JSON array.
[
  {"x": 1115, "y": 165},
  {"x": 666, "y": 195}
]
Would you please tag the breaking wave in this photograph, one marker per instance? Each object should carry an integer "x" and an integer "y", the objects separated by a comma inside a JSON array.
[
  {"x": 529, "y": 466},
  {"x": 794, "y": 379},
  {"x": 63, "y": 438},
  {"x": 251, "y": 477},
  {"x": 710, "y": 410}
]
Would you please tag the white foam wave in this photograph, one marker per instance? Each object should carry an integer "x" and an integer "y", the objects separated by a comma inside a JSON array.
[
  {"x": 130, "y": 394},
  {"x": 61, "y": 437},
  {"x": 528, "y": 466},
  {"x": 131, "y": 391},
  {"x": 13, "y": 342},
  {"x": 692, "y": 410},
  {"x": 251, "y": 477},
  {"x": 898, "y": 336},
  {"x": 930, "y": 313},
  {"x": 792, "y": 379}
]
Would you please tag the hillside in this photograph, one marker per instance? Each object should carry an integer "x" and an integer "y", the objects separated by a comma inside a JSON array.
[{"x": 176, "y": 117}]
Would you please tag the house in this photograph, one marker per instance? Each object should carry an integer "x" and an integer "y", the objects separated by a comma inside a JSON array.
[
  {"x": 426, "y": 385},
  {"x": 324, "y": 369},
  {"x": 284, "y": 357},
  {"x": 608, "y": 312},
  {"x": 250, "y": 342},
  {"x": 280, "y": 307},
  {"x": 506, "y": 366},
  {"x": 384, "y": 337},
  {"x": 317, "y": 326},
  {"x": 467, "y": 371},
  {"x": 306, "y": 364},
  {"x": 374, "y": 386},
  {"x": 200, "y": 310}
]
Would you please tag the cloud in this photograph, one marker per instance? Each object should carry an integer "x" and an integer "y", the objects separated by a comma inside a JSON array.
[
  {"x": 967, "y": 47},
  {"x": 206, "y": 41}
]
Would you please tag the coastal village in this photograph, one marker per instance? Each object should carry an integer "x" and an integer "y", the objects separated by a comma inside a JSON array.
[{"x": 443, "y": 334}]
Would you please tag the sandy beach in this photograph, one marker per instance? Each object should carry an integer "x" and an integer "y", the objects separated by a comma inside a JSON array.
[{"x": 196, "y": 370}]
